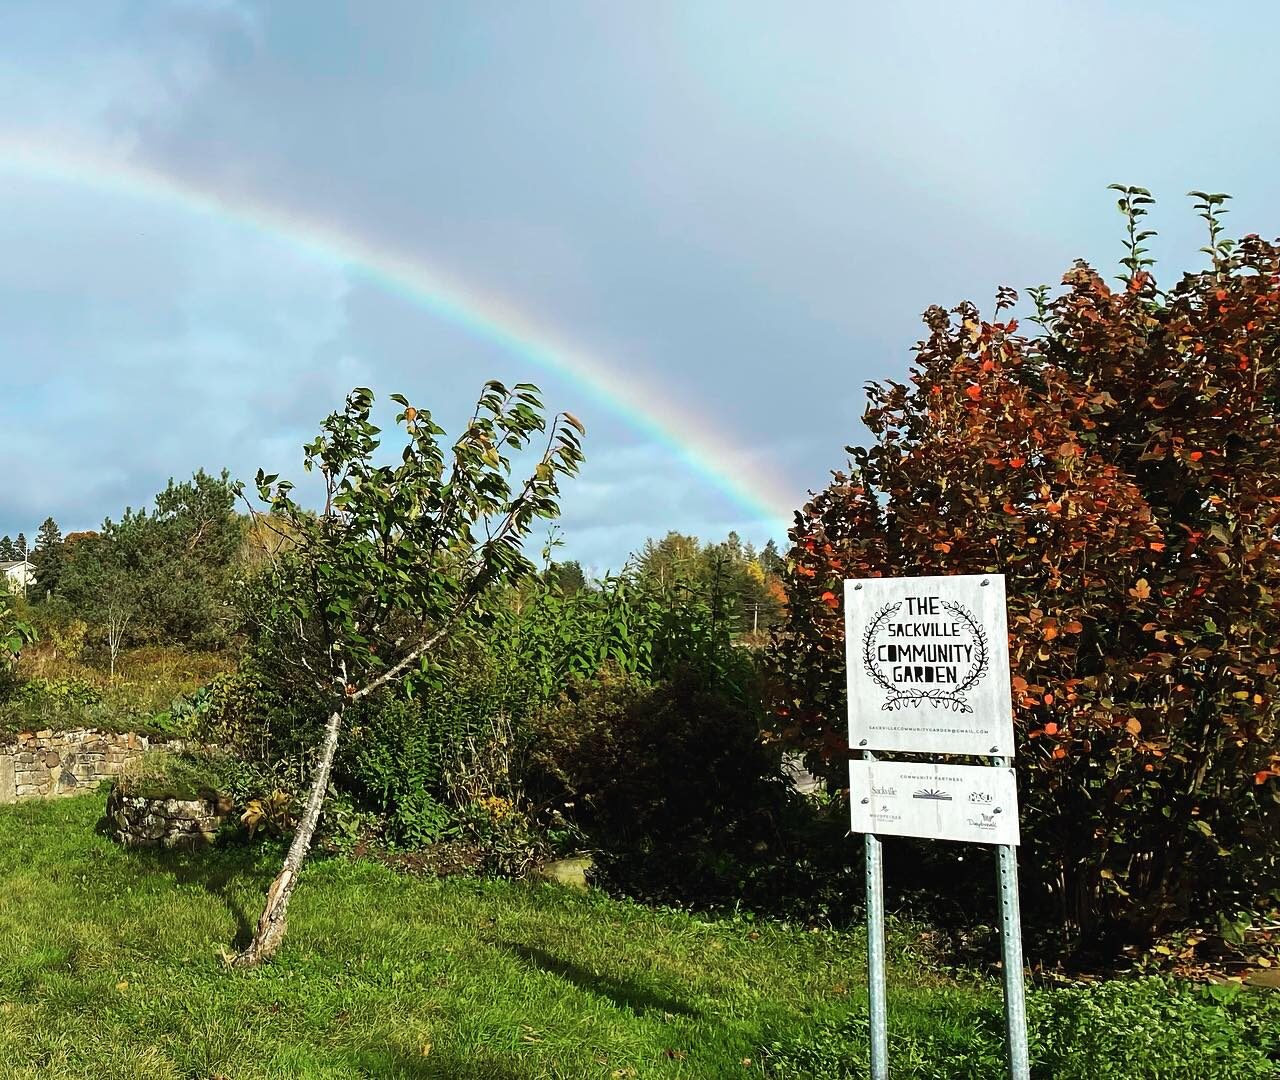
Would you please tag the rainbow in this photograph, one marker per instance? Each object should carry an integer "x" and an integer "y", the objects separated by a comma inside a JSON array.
[{"x": 729, "y": 468}]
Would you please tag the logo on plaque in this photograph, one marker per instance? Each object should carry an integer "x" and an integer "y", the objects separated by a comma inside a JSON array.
[{"x": 932, "y": 653}]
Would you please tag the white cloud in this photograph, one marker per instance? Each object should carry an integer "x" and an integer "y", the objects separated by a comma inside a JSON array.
[{"x": 109, "y": 72}]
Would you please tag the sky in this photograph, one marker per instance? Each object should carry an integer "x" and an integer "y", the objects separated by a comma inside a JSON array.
[{"x": 700, "y": 226}]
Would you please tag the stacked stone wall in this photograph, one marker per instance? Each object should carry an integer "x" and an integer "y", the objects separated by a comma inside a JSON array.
[
  {"x": 46, "y": 764},
  {"x": 160, "y": 821}
]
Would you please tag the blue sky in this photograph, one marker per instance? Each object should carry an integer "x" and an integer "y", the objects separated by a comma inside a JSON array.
[{"x": 743, "y": 207}]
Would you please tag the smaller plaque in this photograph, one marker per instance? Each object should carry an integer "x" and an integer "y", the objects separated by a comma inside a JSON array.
[{"x": 974, "y": 804}]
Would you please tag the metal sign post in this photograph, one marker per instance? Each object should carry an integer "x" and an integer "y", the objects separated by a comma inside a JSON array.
[
  {"x": 877, "y": 1006},
  {"x": 1015, "y": 1002},
  {"x": 928, "y": 673}
]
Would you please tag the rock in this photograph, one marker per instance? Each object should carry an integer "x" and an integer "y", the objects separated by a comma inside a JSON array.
[
  {"x": 1267, "y": 977},
  {"x": 571, "y": 871}
]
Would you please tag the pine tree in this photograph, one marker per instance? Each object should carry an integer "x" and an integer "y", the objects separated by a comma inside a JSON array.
[
  {"x": 20, "y": 547},
  {"x": 771, "y": 560},
  {"x": 47, "y": 557},
  {"x": 8, "y": 553}
]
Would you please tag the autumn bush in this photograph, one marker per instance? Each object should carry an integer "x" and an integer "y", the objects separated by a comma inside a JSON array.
[{"x": 1121, "y": 466}]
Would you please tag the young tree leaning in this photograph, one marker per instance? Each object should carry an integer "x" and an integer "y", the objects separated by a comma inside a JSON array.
[{"x": 365, "y": 589}]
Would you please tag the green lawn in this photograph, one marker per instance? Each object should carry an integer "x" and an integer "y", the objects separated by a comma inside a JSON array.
[{"x": 110, "y": 967}]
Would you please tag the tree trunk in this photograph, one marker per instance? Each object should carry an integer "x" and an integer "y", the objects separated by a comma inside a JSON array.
[{"x": 272, "y": 925}]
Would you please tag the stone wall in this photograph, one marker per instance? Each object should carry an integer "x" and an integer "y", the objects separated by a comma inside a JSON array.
[
  {"x": 165, "y": 821},
  {"x": 44, "y": 764}
]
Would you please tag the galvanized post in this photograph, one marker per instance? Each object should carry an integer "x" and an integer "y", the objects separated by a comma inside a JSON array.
[
  {"x": 1015, "y": 1003},
  {"x": 877, "y": 1008}
]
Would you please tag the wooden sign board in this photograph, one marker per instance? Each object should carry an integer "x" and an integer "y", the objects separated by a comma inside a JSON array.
[
  {"x": 928, "y": 665},
  {"x": 977, "y": 804}
]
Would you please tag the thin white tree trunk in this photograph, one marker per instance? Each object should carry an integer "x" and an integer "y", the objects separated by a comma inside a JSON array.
[{"x": 272, "y": 924}]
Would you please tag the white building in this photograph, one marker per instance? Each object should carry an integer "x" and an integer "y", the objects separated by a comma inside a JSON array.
[{"x": 18, "y": 576}]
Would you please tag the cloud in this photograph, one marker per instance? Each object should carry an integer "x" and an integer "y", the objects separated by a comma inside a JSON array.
[
  {"x": 742, "y": 205},
  {"x": 154, "y": 344},
  {"x": 113, "y": 72}
]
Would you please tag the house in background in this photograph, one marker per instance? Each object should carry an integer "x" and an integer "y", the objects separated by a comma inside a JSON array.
[{"x": 18, "y": 576}]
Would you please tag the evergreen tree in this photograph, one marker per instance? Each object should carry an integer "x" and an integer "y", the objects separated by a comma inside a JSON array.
[
  {"x": 8, "y": 553},
  {"x": 728, "y": 575},
  {"x": 771, "y": 560},
  {"x": 20, "y": 547},
  {"x": 178, "y": 562},
  {"x": 676, "y": 559},
  {"x": 568, "y": 576},
  {"x": 47, "y": 557}
]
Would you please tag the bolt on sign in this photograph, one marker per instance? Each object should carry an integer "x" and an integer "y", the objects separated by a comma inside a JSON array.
[{"x": 928, "y": 669}]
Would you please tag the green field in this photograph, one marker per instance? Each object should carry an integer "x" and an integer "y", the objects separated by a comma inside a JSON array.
[{"x": 110, "y": 967}]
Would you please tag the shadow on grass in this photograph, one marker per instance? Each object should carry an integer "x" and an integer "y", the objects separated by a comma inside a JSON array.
[
  {"x": 623, "y": 994},
  {"x": 215, "y": 870}
]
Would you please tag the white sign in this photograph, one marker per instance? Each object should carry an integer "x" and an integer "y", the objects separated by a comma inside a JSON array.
[
  {"x": 928, "y": 665},
  {"x": 973, "y": 803}
]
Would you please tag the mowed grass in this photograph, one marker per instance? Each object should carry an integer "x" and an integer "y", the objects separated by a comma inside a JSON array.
[{"x": 110, "y": 966}]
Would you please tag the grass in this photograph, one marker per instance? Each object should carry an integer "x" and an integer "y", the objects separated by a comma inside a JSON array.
[
  {"x": 54, "y": 691},
  {"x": 112, "y": 969}
]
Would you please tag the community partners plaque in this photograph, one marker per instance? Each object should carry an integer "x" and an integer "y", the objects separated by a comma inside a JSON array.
[
  {"x": 973, "y": 803},
  {"x": 928, "y": 665}
]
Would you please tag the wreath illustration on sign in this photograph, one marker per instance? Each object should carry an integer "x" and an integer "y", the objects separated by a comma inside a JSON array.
[{"x": 915, "y": 696}]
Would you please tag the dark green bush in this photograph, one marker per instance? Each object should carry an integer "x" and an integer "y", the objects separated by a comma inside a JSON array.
[{"x": 672, "y": 787}]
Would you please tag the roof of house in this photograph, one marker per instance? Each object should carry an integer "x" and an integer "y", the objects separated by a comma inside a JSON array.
[{"x": 7, "y": 566}]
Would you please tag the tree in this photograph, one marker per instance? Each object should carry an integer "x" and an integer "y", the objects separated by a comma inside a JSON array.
[
  {"x": 118, "y": 611},
  {"x": 47, "y": 557},
  {"x": 20, "y": 547},
  {"x": 771, "y": 560},
  {"x": 398, "y": 555},
  {"x": 727, "y": 574},
  {"x": 1122, "y": 470},
  {"x": 177, "y": 563},
  {"x": 183, "y": 556},
  {"x": 101, "y": 588},
  {"x": 676, "y": 559},
  {"x": 567, "y": 576},
  {"x": 8, "y": 550}
]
